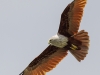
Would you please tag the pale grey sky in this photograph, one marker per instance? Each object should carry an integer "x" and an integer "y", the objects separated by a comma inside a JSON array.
[{"x": 26, "y": 26}]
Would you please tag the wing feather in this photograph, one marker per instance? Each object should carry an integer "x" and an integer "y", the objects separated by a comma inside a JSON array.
[
  {"x": 71, "y": 18},
  {"x": 75, "y": 15},
  {"x": 46, "y": 61}
]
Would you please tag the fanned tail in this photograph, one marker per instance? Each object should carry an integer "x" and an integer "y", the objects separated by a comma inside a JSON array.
[{"x": 84, "y": 38}]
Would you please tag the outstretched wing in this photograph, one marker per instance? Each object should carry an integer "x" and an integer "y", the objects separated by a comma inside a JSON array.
[
  {"x": 71, "y": 18},
  {"x": 45, "y": 62}
]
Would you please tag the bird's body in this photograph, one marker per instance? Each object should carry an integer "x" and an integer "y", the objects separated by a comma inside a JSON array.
[{"x": 67, "y": 39}]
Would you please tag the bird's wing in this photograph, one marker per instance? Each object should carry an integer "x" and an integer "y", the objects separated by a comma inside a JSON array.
[
  {"x": 71, "y": 18},
  {"x": 46, "y": 61}
]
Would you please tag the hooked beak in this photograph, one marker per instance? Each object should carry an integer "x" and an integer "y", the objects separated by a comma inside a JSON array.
[{"x": 48, "y": 42}]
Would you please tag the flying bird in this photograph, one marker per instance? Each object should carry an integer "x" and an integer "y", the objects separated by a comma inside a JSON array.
[{"x": 67, "y": 39}]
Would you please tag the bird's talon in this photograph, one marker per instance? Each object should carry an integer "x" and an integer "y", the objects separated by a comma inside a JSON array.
[{"x": 73, "y": 47}]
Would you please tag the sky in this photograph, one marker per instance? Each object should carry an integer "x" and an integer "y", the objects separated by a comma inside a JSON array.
[{"x": 26, "y": 26}]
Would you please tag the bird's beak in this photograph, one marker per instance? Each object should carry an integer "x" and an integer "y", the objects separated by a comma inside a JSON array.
[{"x": 48, "y": 42}]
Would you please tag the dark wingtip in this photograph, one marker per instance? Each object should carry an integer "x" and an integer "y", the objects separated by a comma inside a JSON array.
[{"x": 22, "y": 73}]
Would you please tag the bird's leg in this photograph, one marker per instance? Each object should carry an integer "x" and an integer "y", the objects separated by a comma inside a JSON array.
[{"x": 73, "y": 47}]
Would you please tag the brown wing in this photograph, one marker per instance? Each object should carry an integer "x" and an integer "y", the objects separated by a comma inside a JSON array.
[
  {"x": 71, "y": 18},
  {"x": 45, "y": 62},
  {"x": 83, "y": 37}
]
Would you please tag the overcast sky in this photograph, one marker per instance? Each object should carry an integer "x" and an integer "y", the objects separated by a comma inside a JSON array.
[{"x": 26, "y": 26}]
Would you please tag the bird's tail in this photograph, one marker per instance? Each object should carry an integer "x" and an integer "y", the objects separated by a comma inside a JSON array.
[{"x": 84, "y": 38}]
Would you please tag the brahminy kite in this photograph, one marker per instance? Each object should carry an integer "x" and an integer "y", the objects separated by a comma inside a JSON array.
[{"x": 67, "y": 39}]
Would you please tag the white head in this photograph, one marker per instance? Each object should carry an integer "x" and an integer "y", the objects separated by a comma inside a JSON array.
[{"x": 58, "y": 40}]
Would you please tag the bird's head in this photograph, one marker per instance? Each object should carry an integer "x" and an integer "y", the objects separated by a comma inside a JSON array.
[{"x": 53, "y": 40}]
